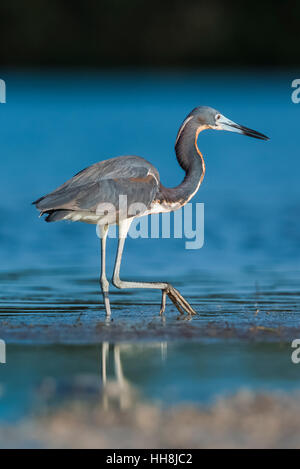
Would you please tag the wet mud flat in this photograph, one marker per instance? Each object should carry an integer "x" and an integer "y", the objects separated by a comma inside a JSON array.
[{"x": 142, "y": 322}]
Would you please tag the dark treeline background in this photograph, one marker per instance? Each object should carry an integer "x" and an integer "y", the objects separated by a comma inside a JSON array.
[{"x": 176, "y": 33}]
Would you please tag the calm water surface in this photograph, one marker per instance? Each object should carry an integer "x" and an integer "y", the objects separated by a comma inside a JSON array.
[
  {"x": 121, "y": 375},
  {"x": 246, "y": 275}
]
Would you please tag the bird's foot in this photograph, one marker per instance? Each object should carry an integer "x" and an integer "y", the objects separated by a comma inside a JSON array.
[{"x": 181, "y": 304}]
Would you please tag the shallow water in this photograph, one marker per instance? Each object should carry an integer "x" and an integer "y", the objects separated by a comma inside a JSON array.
[
  {"x": 121, "y": 375},
  {"x": 244, "y": 282}
]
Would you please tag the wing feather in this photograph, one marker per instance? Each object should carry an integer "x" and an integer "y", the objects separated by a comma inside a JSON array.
[{"x": 103, "y": 183}]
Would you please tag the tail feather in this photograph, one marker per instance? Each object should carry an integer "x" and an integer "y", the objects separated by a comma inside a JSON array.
[
  {"x": 37, "y": 201},
  {"x": 56, "y": 215},
  {"x": 57, "y": 199}
]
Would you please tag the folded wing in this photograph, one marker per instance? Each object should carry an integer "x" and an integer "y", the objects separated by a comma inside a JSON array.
[{"x": 100, "y": 184}]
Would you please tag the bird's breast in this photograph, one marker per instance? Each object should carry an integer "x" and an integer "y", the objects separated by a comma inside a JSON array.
[{"x": 164, "y": 207}]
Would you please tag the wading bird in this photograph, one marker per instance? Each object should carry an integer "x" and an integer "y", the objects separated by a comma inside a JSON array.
[{"x": 103, "y": 183}]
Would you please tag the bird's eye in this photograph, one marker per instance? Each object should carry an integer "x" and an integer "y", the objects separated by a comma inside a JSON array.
[{"x": 218, "y": 116}]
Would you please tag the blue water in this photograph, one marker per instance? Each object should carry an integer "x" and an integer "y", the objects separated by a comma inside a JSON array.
[
  {"x": 163, "y": 373},
  {"x": 53, "y": 125}
]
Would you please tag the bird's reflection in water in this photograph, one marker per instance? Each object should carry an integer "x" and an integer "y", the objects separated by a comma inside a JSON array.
[{"x": 116, "y": 388}]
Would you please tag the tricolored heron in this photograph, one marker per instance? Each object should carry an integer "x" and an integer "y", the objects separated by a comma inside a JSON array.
[{"x": 132, "y": 176}]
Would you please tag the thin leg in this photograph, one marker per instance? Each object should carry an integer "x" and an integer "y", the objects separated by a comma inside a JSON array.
[
  {"x": 103, "y": 280},
  {"x": 167, "y": 289},
  {"x": 163, "y": 302}
]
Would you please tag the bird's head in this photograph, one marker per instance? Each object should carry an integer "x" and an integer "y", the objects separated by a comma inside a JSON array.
[{"x": 212, "y": 119}]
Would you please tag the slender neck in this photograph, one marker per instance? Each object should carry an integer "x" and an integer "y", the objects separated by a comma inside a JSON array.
[
  {"x": 191, "y": 160},
  {"x": 186, "y": 148}
]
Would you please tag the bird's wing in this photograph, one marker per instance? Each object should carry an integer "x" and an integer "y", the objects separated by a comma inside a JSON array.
[{"x": 103, "y": 183}]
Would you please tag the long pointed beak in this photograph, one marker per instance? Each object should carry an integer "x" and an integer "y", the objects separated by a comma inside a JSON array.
[{"x": 226, "y": 124}]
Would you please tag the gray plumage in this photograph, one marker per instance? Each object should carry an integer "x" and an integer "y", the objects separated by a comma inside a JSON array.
[{"x": 102, "y": 183}]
